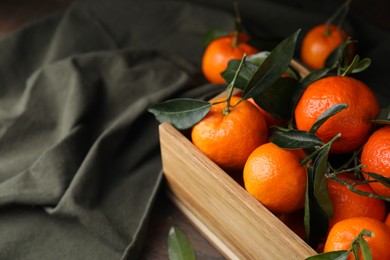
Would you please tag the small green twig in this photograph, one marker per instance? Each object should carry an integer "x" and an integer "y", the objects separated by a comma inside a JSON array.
[
  {"x": 354, "y": 158},
  {"x": 347, "y": 170},
  {"x": 231, "y": 86},
  {"x": 351, "y": 187},
  {"x": 342, "y": 10},
  {"x": 315, "y": 153},
  {"x": 238, "y": 25}
]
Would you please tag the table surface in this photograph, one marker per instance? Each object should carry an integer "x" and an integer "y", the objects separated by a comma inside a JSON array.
[{"x": 16, "y": 13}]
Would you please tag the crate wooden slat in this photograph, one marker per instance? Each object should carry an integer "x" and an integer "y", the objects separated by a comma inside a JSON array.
[{"x": 229, "y": 217}]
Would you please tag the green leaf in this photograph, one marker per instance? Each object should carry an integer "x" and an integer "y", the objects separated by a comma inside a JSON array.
[
  {"x": 383, "y": 116},
  {"x": 357, "y": 65},
  {"x": 314, "y": 76},
  {"x": 335, "y": 56},
  {"x": 315, "y": 220},
  {"x": 251, "y": 65},
  {"x": 326, "y": 115},
  {"x": 278, "y": 99},
  {"x": 355, "y": 250},
  {"x": 365, "y": 248},
  {"x": 179, "y": 247},
  {"x": 245, "y": 75},
  {"x": 333, "y": 255},
  {"x": 320, "y": 185},
  {"x": 362, "y": 65},
  {"x": 258, "y": 58},
  {"x": 294, "y": 139},
  {"x": 273, "y": 67},
  {"x": 341, "y": 56},
  {"x": 212, "y": 35},
  {"x": 351, "y": 66},
  {"x": 182, "y": 113},
  {"x": 308, "y": 201}
]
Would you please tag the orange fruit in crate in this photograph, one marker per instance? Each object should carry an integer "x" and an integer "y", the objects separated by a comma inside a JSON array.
[
  {"x": 354, "y": 123},
  {"x": 229, "y": 138},
  {"x": 348, "y": 204},
  {"x": 220, "y": 51},
  {"x": 343, "y": 232},
  {"x": 376, "y": 158},
  {"x": 319, "y": 42},
  {"x": 276, "y": 178}
]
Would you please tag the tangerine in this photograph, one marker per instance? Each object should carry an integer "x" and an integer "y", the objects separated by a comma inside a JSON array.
[
  {"x": 343, "y": 233},
  {"x": 229, "y": 138},
  {"x": 319, "y": 43},
  {"x": 376, "y": 158},
  {"x": 220, "y": 51},
  {"x": 354, "y": 123},
  {"x": 276, "y": 178},
  {"x": 348, "y": 204}
]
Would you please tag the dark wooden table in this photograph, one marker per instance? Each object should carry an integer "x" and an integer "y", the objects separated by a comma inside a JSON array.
[
  {"x": 16, "y": 13},
  {"x": 163, "y": 216}
]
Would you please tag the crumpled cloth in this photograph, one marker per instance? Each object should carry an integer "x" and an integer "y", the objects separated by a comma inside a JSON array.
[{"x": 79, "y": 154}]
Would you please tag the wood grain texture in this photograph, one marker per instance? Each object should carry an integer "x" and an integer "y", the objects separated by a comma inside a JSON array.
[{"x": 236, "y": 223}]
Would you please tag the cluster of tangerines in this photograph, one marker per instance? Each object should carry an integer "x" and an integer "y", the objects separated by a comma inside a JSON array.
[
  {"x": 324, "y": 168},
  {"x": 236, "y": 137}
]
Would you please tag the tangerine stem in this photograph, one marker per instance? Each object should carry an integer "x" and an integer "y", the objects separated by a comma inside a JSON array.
[
  {"x": 315, "y": 153},
  {"x": 343, "y": 9},
  {"x": 231, "y": 85},
  {"x": 238, "y": 25},
  {"x": 351, "y": 187},
  {"x": 352, "y": 159},
  {"x": 358, "y": 167},
  {"x": 235, "y": 39}
]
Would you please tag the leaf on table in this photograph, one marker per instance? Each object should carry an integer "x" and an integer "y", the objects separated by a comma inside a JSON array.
[{"x": 179, "y": 247}]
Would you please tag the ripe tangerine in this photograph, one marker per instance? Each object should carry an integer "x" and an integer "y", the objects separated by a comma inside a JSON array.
[
  {"x": 220, "y": 51},
  {"x": 354, "y": 123},
  {"x": 376, "y": 158},
  {"x": 228, "y": 139},
  {"x": 276, "y": 178},
  {"x": 320, "y": 42}
]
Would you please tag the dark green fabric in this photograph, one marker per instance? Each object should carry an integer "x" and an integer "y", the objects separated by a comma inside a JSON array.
[{"x": 79, "y": 154}]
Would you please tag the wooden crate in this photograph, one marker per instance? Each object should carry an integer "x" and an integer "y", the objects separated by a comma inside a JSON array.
[{"x": 220, "y": 208}]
